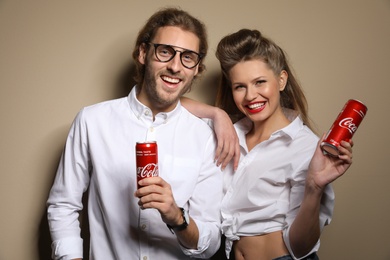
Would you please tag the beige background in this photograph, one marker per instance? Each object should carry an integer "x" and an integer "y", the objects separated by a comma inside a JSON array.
[{"x": 58, "y": 56}]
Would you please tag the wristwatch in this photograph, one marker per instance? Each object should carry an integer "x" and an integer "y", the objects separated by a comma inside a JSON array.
[{"x": 186, "y": 221}]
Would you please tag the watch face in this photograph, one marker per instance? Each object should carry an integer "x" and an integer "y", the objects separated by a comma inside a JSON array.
[{"x": 186, "y": 216}]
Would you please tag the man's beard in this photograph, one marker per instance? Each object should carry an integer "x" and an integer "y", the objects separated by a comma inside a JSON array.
[{"x": 150, "y": 88}]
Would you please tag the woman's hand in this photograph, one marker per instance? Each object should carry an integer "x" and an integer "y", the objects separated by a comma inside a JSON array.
[
  {"x": 324, "y": 169},
  {"x": 228, "y": 147}
]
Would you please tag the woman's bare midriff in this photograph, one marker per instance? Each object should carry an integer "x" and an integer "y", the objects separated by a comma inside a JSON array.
[{"x": 264, "y": 247}]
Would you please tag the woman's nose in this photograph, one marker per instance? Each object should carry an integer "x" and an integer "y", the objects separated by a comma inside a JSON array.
[{"x": 251, "y": 93}]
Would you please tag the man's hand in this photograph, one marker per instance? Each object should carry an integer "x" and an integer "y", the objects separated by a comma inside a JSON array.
[{"x": 156, "y": 193}]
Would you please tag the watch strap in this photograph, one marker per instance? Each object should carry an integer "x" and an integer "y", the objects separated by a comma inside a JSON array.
[{"x": 181, "y": 226}]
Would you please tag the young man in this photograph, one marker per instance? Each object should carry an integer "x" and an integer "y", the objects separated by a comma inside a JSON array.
[{"x": 173, "y": 216}]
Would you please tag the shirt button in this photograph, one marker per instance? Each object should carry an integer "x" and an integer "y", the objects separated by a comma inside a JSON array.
[
  {"x": 143, "y": 227},
  {"x": 164, "y": 117},
  {"x": 146, "y": 112},
  {"x": 151, "y": 129},
  {"x": 145, "y": 258}
]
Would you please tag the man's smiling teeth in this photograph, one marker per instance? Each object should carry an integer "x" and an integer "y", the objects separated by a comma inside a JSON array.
[
  {"x": 255, "y": 106},
  {"x": 170, "y": 80}
]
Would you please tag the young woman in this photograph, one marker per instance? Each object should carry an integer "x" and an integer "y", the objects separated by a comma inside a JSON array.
[{"x": 278, "y": 199}]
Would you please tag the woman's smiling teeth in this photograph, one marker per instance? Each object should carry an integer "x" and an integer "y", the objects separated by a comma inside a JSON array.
[
  {"x": 170, "y": 80},
  {"x": 255, "y": 105}
]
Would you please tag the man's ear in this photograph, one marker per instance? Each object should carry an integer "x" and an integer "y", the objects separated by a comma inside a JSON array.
[
  {"x": 283, "y": 80},
  {"x": 196, "y": 70},
  {"x": 142, "y": 53}
]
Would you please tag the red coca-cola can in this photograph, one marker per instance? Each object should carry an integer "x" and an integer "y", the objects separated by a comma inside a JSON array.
[
  {"x": 344, "y": 127},
  {"x": 147, "y": 160}
]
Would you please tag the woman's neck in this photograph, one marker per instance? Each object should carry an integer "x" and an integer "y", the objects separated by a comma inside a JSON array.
[{"x": 262, "y": 130}]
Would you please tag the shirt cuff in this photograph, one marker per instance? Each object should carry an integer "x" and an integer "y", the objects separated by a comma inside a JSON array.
[
  {"x": 67, "y": 248},
  {"x": 204, "y": 243}
]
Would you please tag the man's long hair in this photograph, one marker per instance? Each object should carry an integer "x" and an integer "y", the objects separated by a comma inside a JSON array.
[{"x": 169, "y": 17}]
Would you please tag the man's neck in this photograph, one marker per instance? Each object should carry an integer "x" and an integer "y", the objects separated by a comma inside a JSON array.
[{"x": 154, "y": 106}]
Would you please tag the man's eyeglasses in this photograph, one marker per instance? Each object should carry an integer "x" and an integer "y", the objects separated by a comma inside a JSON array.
[{"x": 165, "y": 53}]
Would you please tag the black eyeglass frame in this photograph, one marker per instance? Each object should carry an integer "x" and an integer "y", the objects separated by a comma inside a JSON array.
[{"x": 156, "y": 45}]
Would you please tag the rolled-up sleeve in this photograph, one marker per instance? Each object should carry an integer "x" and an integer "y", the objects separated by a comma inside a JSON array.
[
  {"x": 205, "y": 206},
  {"x": 296, "y": 197},
  {"x": 65, "y": 199}
]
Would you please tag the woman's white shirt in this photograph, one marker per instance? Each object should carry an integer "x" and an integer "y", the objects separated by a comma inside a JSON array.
[{"x": 266, "y": 191}]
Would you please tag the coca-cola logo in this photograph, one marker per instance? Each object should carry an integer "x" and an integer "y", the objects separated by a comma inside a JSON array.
[
  {"x": 149, "y": 170},
  {"x": 348, "y": 124}
]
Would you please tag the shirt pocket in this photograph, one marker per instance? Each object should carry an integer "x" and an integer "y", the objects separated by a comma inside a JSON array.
[{"x": 182, "y": 174}]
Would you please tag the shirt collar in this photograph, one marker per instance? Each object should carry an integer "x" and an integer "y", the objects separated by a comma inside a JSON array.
[
  {"x": 143, "y": 112},
  {"x": 292, "y": 129},
  {"x": 244, "y": 125}
]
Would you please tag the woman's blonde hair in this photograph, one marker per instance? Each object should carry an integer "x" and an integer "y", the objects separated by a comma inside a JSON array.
[{"x": 246, "y": 45}]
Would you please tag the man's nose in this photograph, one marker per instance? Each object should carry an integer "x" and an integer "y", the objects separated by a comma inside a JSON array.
[{"x": 175, "y": 64}]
